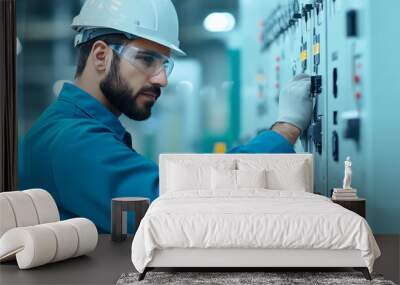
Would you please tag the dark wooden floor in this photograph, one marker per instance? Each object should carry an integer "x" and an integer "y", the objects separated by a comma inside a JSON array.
[
  {"x": 110, "y": 260},
  {"x": 389, "y": 262},
  {"x": 102, "y": 266}
]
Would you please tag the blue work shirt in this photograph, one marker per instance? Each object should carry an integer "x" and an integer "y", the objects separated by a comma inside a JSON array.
[{"x": 80, "y": 152}]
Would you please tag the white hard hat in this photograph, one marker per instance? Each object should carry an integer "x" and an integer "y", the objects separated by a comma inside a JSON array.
[{"x": 154, "y": 20}]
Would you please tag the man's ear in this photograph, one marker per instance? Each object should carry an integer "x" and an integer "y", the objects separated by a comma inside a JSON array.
[{"x": 101, "y": 56}]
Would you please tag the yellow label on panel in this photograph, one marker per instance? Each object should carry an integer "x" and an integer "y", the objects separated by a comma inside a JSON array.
[
  {"x": 316, "y": 49},
  {"x": 303, "y": 55},
  {"x": 220, "y": 147},
  {"x": 260, "y": 78}
]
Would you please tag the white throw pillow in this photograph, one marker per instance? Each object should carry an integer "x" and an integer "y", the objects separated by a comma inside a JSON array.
[
  {"x": 223, "y": 179},
  {"x": 293, "y": 178},
  {"x": 251, "y": 178},
  {"x": 281, "y": 174},
  {"x": 188, "y": 177},
  {"x": 235, "y": 179}
]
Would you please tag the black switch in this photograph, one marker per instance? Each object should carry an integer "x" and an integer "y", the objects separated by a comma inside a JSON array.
[
  {"x": 316, "y": 134},
  {"x": 352, "y": 130},
  {"x": 335, "y": 82},
  {"x": 352, "y": 23},
  {"x": 335, "y": 146},
  {"x": 308, "y": 7},
  {"x": 316, "y": 83},
  {"x": 305, "y": 14},
  {"x": 335, "y": 117},
  {"x": 296, "y": 10},
  {"x": 319, "y": 5},
  {"x": 296, "y": 16}
]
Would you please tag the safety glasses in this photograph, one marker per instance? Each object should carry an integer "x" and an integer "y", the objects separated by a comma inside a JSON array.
[{"x": 147, "y": 61}]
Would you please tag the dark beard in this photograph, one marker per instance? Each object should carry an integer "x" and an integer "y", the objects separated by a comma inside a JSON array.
[{"x": 120, "y": 95}]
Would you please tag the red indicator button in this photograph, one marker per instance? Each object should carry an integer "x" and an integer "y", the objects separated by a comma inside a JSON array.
[
  {"x": 358, "y": 95},
  {"x": 357, "y": 78}
]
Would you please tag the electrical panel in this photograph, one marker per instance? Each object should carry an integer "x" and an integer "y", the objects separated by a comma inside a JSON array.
[
  {"x": 345, "y": 102},
  {"x": 336, "y": 42},
  {"x": 293, "y": 41}
]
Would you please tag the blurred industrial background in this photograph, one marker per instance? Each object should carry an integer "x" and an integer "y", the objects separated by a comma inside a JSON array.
[
  {"x": 200, "y": 105},
  {"x": 240, "y": 54}
]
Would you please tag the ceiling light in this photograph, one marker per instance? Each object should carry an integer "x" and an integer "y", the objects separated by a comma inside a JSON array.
[{"x": 219, "y": 22}]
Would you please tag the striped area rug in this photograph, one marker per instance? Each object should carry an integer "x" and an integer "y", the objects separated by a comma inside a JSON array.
[{"x": 243, "y": 278}]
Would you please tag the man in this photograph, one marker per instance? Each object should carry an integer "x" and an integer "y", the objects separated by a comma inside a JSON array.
[{"x": 78, "y": 149}]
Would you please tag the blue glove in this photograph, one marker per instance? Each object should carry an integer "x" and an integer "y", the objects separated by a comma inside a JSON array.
[{"x": 295, "y": 102}]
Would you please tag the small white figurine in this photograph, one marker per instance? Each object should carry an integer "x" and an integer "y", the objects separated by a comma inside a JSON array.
[{"x": 347, "y": 174}]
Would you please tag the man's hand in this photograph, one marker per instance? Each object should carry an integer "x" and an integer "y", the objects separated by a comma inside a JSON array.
[{"x": 295, "y": 108}]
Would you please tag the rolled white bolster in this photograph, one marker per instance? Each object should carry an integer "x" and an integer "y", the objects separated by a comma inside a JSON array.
[
  {"x": 67, "y": 240},
  {"x": 23, "y": 208},
  {"x": 33, "y": 246},
  {"x": 87, "y": 234},
  {"x": 31, "y": 232},
  {"x": 37, "y": 245},
  {"x": 7, "y": 218},
  {"x": 45, "y": 205}
]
